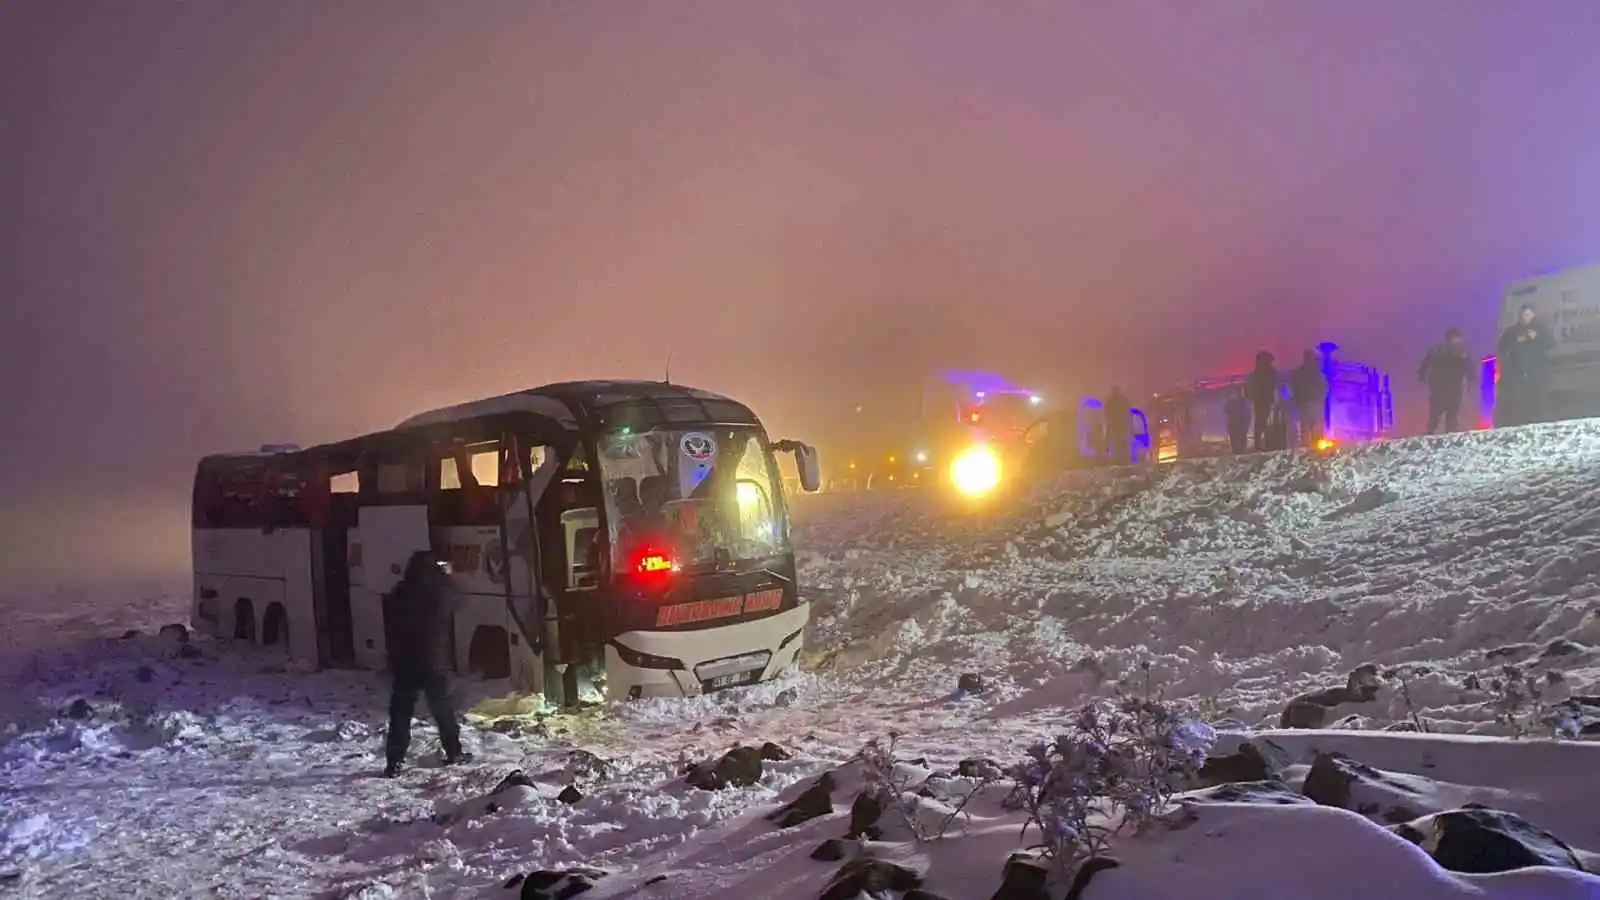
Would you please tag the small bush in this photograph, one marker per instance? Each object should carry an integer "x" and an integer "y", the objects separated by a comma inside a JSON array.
[
  {"x": 893, "y": 793},
  {"x": 1117, "y": 767}
]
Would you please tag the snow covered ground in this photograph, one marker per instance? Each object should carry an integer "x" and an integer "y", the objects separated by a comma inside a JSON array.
[{"x": 1230, "y": 586}]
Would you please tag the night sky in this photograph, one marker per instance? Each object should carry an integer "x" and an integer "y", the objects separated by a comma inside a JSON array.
[{"x": 244, "y": 221}]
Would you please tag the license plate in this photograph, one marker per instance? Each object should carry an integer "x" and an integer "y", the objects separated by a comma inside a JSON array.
[{"x": 734, "y": 680}]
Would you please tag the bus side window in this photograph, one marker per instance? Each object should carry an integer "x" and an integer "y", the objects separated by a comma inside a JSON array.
[
  {"x": 469, "y": 501},
  {"x": 392, "y": 482},
  {"x": 206, "y": 501}
]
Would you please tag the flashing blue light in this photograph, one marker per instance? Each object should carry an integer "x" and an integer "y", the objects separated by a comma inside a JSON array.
[{"x": 981, "y": 383}]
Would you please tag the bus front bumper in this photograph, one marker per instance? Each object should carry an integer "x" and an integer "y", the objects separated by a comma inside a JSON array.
[{"x": 689, "y": 663}]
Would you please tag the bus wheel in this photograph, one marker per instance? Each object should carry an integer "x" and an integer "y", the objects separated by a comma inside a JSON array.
[
  {"x": 275, "y": 626},
  {"x": 489, "y": 654},
  {"x": 244, "y": 620}
]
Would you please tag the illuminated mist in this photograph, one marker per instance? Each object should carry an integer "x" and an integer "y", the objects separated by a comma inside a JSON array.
[{"x": 281, "y": 220}]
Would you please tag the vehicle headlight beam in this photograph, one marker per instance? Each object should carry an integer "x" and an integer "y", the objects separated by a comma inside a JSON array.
[{"x": 975, "y": 471}]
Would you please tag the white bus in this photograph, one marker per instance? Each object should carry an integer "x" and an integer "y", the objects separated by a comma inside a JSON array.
[{"x": 609, "y": 539}]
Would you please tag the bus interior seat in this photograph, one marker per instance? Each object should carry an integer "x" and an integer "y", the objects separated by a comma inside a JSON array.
[
  {"x": 625, "y": 493},
  {"x": 653, "y": 492}
]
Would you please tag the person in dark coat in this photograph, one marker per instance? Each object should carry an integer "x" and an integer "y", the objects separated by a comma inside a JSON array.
[
  {"x": 1308, "y": 386},
  {"x": 1524, "y": 363},
  {"x": 1237, "y": 410},
  {"x": 1119, "y": 427},
  {"x": 1445, "y": 370},
  {"x": 1262, "y": 387},
  {"x": 418, "y": 616}
]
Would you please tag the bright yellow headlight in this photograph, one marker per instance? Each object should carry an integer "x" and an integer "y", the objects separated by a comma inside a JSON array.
[{"x": 975, "y": 471}]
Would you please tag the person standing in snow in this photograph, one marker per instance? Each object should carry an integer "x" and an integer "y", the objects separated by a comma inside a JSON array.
[
  {"x": 1262, "y": 387},
  {"x": 1524, "y": 369},
  {"x": 1308, "y": 385},
  {"x": 1237, "y": 409},
  {"x": 418, "y": 616},
  {"x": 1445, "y": 370},
  {"x": 1119, "y": 415}
]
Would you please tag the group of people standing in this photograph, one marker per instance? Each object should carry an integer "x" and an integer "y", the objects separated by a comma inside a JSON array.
[
  {"x": 1524, "y": 383},
  {"x": 1261, "y": 412},
  {"x": 1523, "y": 363}
]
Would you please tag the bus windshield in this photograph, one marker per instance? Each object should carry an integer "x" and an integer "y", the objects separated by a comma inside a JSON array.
[{"x": 706, "y": 495}]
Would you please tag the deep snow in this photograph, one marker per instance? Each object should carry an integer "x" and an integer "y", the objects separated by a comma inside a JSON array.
[{"x": 1243, "y": 582}]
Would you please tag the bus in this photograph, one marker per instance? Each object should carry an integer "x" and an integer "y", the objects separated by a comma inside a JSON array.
[{"x": 609, "y": 539}]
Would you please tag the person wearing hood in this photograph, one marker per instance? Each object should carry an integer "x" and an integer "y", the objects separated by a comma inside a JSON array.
[
  {"x": 418, "y": 617},
  {"x": 1524, "y": 363},
  {"x": 1308, "y": 385},
  {"x": 1445, "y": 370},
  {"x": 1119, "y": 427},
  {"x": 1261, "y": 385}
]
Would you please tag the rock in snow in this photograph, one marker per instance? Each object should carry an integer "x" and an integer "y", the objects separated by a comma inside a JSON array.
[{"x": 1478, "y": 839}]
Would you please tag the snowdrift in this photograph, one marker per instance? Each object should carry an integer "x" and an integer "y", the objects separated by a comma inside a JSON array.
[{"x": 1395, "y": 632}]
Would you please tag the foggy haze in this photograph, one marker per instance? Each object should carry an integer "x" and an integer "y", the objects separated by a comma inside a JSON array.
[{"x": 257, "y": 221}]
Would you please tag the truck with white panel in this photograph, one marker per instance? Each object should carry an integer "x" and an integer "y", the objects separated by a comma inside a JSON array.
[{"x": 1569, "y": 305}]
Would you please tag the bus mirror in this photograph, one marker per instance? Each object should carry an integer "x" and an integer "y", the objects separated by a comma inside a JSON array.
[
  {"x": 810, "y": 468},
  {"x": 805, "y": 462}
]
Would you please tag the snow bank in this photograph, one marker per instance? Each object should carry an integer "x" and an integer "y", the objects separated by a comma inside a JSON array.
[
  {"x": 1240, "y": 578},
  {"x": 1239, "y": 588}
]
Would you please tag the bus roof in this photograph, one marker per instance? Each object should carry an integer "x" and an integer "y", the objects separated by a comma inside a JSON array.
[
  {"x": 638, "y": 404},
  {"x": 564, "y": 401}
]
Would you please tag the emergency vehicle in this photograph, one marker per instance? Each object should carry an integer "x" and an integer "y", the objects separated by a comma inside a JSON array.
[
  {"x": 1569, "y": 305},
  {"x": 1191, "y": 421}
]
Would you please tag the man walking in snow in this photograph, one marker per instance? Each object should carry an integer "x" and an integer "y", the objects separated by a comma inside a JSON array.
[
  {"x": 1524, "y": 363},
  {"x": 1445, "y": 370},
  {"x": 1308, "y": 385},
  {"x": 417, "y": 618}
]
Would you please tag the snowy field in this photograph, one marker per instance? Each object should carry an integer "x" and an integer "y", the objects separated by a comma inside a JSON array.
[{"x": 1442, "y": 595}]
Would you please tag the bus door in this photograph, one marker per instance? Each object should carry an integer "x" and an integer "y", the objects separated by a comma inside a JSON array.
[
  {"x": 391, "y": 525},
  {"x": 526, "y": 472},
  {"x": 334, "y": 504}
]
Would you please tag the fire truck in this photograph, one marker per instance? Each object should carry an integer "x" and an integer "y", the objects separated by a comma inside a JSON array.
[{"x": 977, "y": 432}]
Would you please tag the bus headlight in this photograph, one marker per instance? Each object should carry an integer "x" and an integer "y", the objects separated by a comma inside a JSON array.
[{"x": 975, "y": 471}]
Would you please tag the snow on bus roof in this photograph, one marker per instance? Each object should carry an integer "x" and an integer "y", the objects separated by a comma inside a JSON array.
[{"x": 558, "y": 401}]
